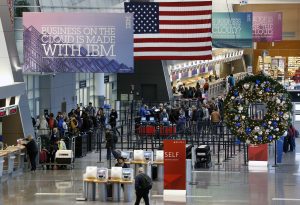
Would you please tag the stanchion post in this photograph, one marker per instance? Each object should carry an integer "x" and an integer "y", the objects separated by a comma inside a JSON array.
[{"x": 275, "y": 155}]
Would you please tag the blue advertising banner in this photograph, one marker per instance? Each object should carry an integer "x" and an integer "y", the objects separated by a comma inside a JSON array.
[
  {"x": 232, "y": 30},
  {"x": 78, "y": 42}
]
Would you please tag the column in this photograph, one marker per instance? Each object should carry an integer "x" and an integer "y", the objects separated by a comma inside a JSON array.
[{"x": 99, "y": 89}]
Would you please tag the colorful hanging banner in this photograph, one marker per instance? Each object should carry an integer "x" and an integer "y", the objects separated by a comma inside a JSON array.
[
  {"x": 174, "y": 165},
  {"x": 232, "y": 30},
  {"x": 78, "y": 42},
  {"x": 267, "y": 26}
]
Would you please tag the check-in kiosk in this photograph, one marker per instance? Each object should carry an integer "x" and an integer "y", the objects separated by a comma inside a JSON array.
[
  {"x": 148, "y": 156},
  {"x": 101, "y": 181},
  {"x": 89, "y": 183},
  {"x": 116, "y": 178},
  {"x": 127, "y": 181},
  {"x": 144, "y": 159}
]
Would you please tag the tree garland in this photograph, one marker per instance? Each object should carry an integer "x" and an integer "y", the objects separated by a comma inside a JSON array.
[{"x": 253, "y": 90}]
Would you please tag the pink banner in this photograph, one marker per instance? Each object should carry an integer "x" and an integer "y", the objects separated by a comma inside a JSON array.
[{"x": 267, "y": 26}]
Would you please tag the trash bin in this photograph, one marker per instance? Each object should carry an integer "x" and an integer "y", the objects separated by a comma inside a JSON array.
[{"x": 279, "y": 150}]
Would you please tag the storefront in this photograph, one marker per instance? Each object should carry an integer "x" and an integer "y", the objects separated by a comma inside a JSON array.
[
  {"x": 224, "y": 62},
  {"x": 281, "y": 60}
]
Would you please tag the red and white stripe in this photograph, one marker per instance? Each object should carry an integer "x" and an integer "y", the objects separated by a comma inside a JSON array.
[{"x": 185, "y": 33}]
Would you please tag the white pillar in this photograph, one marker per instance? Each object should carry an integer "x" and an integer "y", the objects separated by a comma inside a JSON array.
[{"x": 99, "y": 89}]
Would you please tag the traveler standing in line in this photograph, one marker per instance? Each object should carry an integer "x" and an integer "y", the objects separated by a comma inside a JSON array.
[
  {"x": 52, "y": 122},
  {"x": 109, "y": 138},
  {"x": 143, "y": 184},
  {"x": 32, "y": 150},
  {"x": 215, "y": 117},
  {"x": 43, "y": 126},
  {"x": 201, "y": 82},
  {"x": 291, "y": 138},
  {"x": 90, "y": 110},
  {"x": 113, "y": 120},
  {"x": 206, "y": 87}
]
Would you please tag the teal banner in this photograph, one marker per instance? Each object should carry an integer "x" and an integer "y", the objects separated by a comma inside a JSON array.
[{"x": 232, "y": 30}]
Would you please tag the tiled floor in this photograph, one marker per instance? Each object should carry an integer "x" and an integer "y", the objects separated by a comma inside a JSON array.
[{"x": 231, "y": 183}]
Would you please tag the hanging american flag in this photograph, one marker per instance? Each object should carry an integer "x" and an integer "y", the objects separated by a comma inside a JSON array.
[{"x": 172, "y": 30}]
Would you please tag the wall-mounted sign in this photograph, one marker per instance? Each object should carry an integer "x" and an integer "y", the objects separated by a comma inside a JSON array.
[
  {"x": 78, "y": 42},
  {"x": 232, "y": 30},
  {"x": 106, "y": 79},
  {"x": 8, "y": 110},
  {"x": 12, "y": 110},
  {"x": 82, "y": 84},
  {"x": 2, "y": 112},
  {"x": 267, "y": 26}
]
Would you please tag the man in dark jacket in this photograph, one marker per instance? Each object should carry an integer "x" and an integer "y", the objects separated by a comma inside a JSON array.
[
  {"x": 32, "y": 150},
  {"x": 143, "y": 184},
  {"x": 110, "y": 143},
  {"x": 113, "y": 120}
]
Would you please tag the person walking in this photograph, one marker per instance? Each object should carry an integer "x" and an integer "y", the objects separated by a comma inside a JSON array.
[
  {"x": 143, "y": 184},
  {"x": 113, "y": 120},
  {"x": 110, "y": 144},
  {"x": 231, "y": 81},
  {"x": 291, "y": 138},
  {"x": 32, "y": 150}
]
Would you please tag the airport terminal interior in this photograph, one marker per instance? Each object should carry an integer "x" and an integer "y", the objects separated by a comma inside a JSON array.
[{"x": 150, "y": 102}]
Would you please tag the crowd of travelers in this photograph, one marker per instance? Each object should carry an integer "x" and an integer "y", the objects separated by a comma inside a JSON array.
[
  {"x": 185, "y": 115},
  {"x": 79, "y": 120}
]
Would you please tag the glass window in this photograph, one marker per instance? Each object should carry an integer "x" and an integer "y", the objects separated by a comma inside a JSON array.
[
  {"x": 30, "y": 102},
  {"x": 30, "y": 94},
  {"x": 37, "y": 93},
  {"x": 25, "y": 80},
  {"x": 30, "y": 82},
  {"x": 37, "y": 107},
  {"x": 36, "y": 82}
]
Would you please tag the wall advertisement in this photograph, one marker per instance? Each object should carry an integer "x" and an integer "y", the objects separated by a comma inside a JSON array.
[
  {"x": 267, "y": 26},
  {"x": 232, "y": 30},
  {"x": 78, "y": 42}
]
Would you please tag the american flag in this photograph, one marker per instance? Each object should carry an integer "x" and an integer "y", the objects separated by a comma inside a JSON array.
[{"x": 172, "y": 30}]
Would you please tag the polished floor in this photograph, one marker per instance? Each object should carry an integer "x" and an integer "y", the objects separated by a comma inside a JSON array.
[{"x": 230, "y": 183}]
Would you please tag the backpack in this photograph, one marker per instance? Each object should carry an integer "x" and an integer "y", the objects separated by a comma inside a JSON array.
[{"x": 146, "y": 182}]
